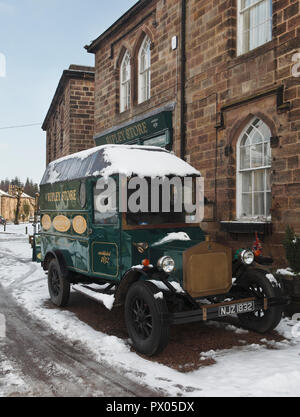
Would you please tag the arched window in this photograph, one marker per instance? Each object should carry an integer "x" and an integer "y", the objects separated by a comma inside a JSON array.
[
  {"x": 254, "y": 172},
  {"x": 125, "y": 83},
  {"x": 144, "y": 71}
]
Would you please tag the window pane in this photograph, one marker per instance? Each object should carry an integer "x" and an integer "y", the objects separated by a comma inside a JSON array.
[
  {"x": 125, "y": 83},
  {"x": 257, "y": 123},
  {"x": 246, "y": 141},
  {"x": 144, "y": 70},
  {"x": 259, "y": 180},
  {"x": 259, "y": 204},
  {"x": 245, "y": 157},
  {"x": 257, "y": 156},
  {"x": 247, "y": 3},
  {"x": 268, "y": 155},
  {"x": 246, "y": 31},
  {"x": 256, "y": 23},
  {"x": 255, "y": 182},
  {"x": 247, "y": 182},
  {"x": 246, "y": 205},
  {"x": 257, "y": 137},
  {"x": 148, "y": 84}
]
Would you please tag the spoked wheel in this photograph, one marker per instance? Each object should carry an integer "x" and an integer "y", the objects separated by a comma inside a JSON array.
[
  {"x": 141, "y": 318},
  {"x": 146, "y": 319},
  {"x": 257, "y": 285},
  {"x": 55, "y": 283},
  {"x": 58, "y": 285}
]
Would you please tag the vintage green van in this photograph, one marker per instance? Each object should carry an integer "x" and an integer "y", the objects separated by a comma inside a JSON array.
[{"x": 160, "y": 267}]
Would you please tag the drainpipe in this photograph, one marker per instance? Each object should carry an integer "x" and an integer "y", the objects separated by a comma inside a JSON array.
[{"x": 182, "y": 79}]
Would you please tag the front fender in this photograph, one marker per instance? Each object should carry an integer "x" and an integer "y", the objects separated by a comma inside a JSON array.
[{"x": 130, "y": 277}]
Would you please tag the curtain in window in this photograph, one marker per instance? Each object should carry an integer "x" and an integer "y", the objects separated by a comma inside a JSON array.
[
  {"x": 255, "y": 23},
  {"x": 125, "y": 84},
  {"x": 145, "y": 70},
  {"x": 254, "y": 171}
]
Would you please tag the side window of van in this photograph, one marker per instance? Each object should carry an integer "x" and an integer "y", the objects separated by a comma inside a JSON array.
[{"x": 105, "y": 211}]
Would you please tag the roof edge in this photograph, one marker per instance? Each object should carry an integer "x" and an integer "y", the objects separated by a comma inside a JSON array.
[{"x": 115, "y": 26}]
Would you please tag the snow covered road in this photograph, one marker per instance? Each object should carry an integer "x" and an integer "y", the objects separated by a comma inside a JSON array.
[
  {"x": 49, "y": 366},
  {"x": 49, "y": 351},
  {"x": 34, "y": 361}
]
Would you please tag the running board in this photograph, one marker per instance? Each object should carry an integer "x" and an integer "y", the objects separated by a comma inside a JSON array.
[{"x": 98, "y": 295}]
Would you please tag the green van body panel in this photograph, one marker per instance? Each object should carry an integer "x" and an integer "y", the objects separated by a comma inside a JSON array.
[{"x": 101, "y": 251}]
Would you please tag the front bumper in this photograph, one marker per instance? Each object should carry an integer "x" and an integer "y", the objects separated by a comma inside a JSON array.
[{"x": 211, "y": 311}]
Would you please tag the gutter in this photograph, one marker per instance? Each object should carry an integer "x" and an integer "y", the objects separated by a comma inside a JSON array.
[{"x": 182, "y": 79}]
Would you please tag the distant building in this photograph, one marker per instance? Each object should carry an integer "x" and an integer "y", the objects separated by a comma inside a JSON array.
[
  {"x": 70, "y": 119},
  {"x": 8, "y": 206}
]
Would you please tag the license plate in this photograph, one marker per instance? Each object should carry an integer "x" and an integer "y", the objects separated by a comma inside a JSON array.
[{"x": 240, "y": 308}]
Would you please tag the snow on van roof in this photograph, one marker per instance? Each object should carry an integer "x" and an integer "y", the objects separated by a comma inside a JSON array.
[{"x": 128, "y": 160}]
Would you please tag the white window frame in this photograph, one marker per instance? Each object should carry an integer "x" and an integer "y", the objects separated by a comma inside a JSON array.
[
  {"x": 125, "y": 84},
  {"x": 144, "y": 79},
  {"x": 239, "y": 180},
  {"x": 241, "y": 49}
]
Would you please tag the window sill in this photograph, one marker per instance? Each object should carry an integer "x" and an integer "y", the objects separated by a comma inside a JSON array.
[
  {"x": 260, "y": 50},
  {"x": 247, "y": 227}
]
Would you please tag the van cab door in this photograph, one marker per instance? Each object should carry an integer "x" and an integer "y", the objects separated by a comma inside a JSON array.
[{"x": 104, "y": 239}]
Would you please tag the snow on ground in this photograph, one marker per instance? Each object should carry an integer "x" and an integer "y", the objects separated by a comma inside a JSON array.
[
  {"x": 17, "y": 231},
  {"x": 242, "y": 371},
  {"x": 10, "y": 378},
  {"x": 107, "y": 300}
]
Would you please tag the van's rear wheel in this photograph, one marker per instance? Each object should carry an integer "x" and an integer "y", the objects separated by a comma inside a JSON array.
[
  {"x": 146, "y": 319},
  {"x": 257, "y": 285},
  {"x": 58, "y": 285}
]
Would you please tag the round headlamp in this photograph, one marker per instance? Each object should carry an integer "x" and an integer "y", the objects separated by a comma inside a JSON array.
[
  {"x": 167, "y": 264},
  {"x": 247, "y": 257}
]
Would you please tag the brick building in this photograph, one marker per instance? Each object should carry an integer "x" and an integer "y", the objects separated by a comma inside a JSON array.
[
  {"x": 8, "y": 206},
  {"x": 69, "y": 122},
  {"x": 217, "y": 82},
  {"x": 243, "y": 123}
]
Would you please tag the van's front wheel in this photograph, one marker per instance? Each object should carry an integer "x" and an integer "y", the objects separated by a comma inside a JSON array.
[
  {"x": 58, "y": 285},
  {"x": 257, "y": 285},
  {"x": 146, "y": 318}
]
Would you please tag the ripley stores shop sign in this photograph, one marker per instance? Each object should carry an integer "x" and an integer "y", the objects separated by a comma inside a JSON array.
[{"x": 140, "y": 131}]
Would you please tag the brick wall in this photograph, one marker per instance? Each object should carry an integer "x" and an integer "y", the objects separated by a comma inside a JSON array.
[
  {"x": 223, "y": 90},
  {"x": 160, "y": 20},
  {"x": 216, "y": 78},
  {"x": 69, "y": 124}
]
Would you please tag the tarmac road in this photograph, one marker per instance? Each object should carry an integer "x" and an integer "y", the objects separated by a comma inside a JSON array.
[{"x": 53, "y": 367}]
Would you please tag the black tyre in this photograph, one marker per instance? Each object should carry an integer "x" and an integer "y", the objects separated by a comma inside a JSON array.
[
  {"x": 256, "y": 284},
  {"x": 146, "y": 318},
  {"x": 58, "y": 285}
]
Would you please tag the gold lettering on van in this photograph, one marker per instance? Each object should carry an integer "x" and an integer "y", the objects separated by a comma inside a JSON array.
[
  {"x": 69, "y": 195},
  {"x": 104, "y": 257}
]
